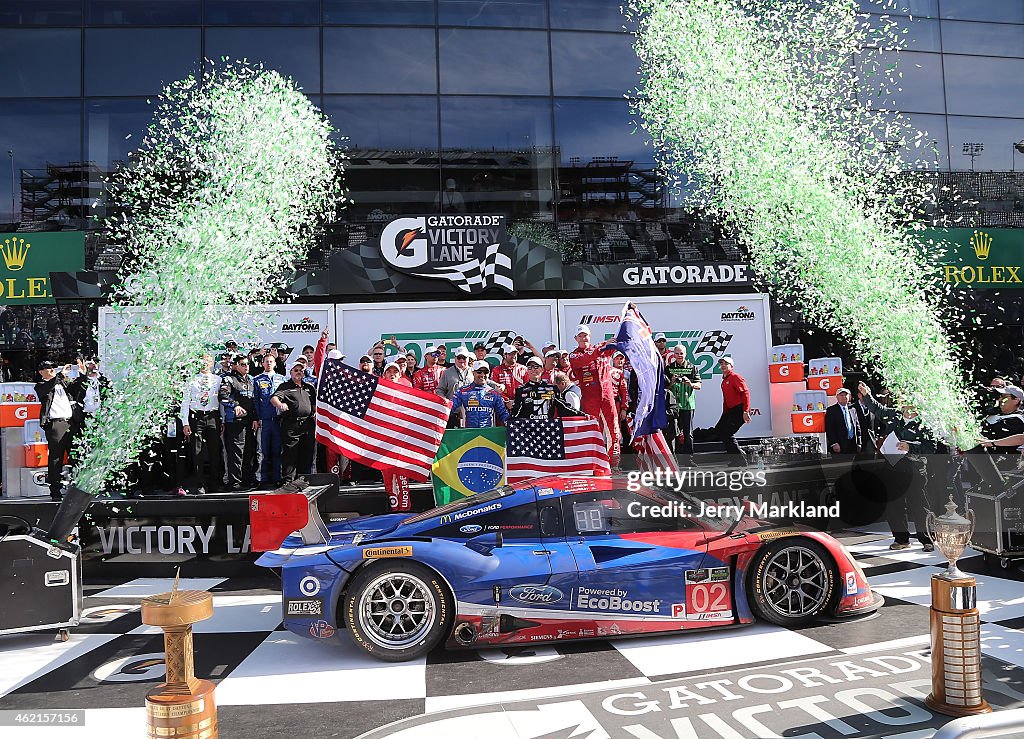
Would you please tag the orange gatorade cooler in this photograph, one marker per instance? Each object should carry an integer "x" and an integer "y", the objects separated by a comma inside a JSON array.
[
  {"x": 825, "y": 374},
  {"x": 36, "y": 455},
  {"x": 809, "y": 412},
  {"x": 18, "y": 403},
  {"x": 786, "y": 363}
]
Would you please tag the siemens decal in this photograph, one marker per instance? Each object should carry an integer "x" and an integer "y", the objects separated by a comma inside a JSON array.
[{"x": 590, "y": 599}]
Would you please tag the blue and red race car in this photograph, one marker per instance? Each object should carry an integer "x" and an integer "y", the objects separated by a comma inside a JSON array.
[{"x": 558, "y": 558}]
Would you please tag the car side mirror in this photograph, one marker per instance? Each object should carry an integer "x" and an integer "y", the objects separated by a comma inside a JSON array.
[{"x": 484, "y": 543}]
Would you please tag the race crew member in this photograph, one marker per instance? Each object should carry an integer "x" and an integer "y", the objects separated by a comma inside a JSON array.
[
  {"x": 429, "y": 376},
  {"x": 478, "y": 406},
  {"x": 591, "y": 364},
  {"x": 550, "y": 366},
  {"x": 240, "y": 425},
  {"x": 538, "y": 398},
  {"x": 296, "y": 401},
  {"x": 509, "y": 373},
  {"x": 264, "y": 385}
]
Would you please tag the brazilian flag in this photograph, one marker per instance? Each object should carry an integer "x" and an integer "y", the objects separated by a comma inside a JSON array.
[{"x": 469, "y": 461}]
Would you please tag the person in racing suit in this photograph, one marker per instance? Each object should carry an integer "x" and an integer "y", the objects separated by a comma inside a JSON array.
[
  {"x": 509, "y": 373},
  {"x": 479, "y": 406},
  {"x": 591, "y": 364},
  {"x": 538, "y": 398}
]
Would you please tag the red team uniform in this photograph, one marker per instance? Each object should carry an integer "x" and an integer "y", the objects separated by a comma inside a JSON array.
[
  {"x": 428, "y": 378},
  {"x": 593, "y": 370},
  {"x": 511, "y": 377}
]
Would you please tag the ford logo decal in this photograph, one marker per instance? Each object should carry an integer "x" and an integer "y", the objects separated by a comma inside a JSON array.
[
  {"x": 535, "y": 593},
  {"x": 471, "y": 528}
]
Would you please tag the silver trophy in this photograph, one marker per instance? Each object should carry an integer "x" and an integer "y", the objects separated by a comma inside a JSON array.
[{"x": 951, "y": 533}]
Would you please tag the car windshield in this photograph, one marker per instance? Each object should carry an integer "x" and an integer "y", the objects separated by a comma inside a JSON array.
[{"x": 462, "y": 503}]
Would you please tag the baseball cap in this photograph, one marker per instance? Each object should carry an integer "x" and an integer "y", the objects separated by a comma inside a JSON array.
[
  {"x": 47, "y": 364},
  {"x": 430, "y": 350},
  {"x": 296, "y": 363},
  {"x": 1012, "y": 390},
  {"x": 549, "y": 345},
  {"x": 551, "y": 353},
  {"x": 844, "y": 390},
  {"x": 364, "y": 358},
  {"x": 727, "y": 358},
  {"x": 509, "y": 348},
  {"x": 479, "y": 345},
  {"x": 389, "y": 365},
  {"x": 533, "y": 361},
  {"x": 462, "y": 352},
  {"x": 481, "y": 365},
  {"x": 660, "y": 337},
  {"x": 582, "y": 329},
  {"x": 335, "y": 354}
]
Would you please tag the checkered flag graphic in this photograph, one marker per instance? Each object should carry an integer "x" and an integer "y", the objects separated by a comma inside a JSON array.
[
  {"x": 477, "y": 275},
  {"x": 714, "y": 342},
  {"x": 498, "y": 339}
]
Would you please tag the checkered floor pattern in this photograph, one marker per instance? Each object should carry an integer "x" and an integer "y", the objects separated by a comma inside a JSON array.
[{"x": 312, "y": 688}]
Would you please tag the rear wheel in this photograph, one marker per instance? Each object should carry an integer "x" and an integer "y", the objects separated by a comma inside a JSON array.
[
  {"x": 398, "y": 610},
  {"x": 792, "y": 582}
]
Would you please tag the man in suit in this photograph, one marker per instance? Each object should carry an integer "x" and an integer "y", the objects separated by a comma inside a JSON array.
[{"x": 842, "y": 427}]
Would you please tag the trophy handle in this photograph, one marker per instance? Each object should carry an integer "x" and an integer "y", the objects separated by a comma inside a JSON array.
[
  {"x": 971, "y": 518},
  {"x": 929, "y": 526}
]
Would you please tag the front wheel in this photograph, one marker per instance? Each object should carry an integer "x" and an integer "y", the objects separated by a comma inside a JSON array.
[
  {"x": 397, "y": 611},
  {"x": 792, "y": 582}
]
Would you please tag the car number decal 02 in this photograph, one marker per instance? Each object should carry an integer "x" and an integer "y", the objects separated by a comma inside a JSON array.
[{"x": 707, "y": 594}]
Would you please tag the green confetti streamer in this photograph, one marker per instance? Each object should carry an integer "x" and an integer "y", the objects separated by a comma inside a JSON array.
[
  {"x": 232, "y": 179},
  {"x": 757, "y": 100}
]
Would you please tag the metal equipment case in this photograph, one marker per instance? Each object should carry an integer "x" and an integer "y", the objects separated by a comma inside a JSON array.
[{"x": 41, "y": 585}]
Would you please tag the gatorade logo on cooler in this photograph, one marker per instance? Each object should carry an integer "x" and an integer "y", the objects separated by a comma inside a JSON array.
[
  {"x": 21, "y": 413},
  {"x": 808, "y": 421},
  {"x": 784, "y": 370}
]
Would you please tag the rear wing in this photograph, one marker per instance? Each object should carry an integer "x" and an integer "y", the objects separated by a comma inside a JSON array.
[{"x": 275, "y": 515}]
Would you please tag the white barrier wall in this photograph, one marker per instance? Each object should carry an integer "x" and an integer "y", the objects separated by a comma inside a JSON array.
[
  {"x": 292, "y": 325},
  {"x": 419, "y": 325},
  {"x": 709, "y": 326}
]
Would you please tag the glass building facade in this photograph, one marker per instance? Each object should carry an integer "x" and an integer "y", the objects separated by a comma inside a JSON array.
[{"x": 515, "y": 106}]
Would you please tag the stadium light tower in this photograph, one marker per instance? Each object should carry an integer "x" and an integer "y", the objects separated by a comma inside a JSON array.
[
  {"x": 1017, "y": 148},
  {"x": 973, "y": 150}
]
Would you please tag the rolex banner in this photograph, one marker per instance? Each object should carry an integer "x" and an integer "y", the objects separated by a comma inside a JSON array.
[
  {"x": 28, "y": 258},
  {"x": 978, "y": 258},
  {"x": 469, "y": 461}
]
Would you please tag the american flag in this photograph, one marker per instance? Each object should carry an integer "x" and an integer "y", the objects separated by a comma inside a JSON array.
[
  {"x": 377, "y": 422},
  {"x": 541, "y": 446},
  {"x": 652, "y": 452}
]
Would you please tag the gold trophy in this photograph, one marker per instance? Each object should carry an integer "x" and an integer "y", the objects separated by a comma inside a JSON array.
[
  {"x": 183, "y": 707},
  {"x": 955, "y": 634}
]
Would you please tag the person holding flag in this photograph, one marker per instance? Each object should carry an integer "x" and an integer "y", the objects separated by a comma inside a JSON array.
[
  {"x": 592, "y": 366},
  {"x": 647, "y": 372}
]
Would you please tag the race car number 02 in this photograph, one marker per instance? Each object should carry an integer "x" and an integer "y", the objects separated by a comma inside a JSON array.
[{"x": 707, "y": 597}]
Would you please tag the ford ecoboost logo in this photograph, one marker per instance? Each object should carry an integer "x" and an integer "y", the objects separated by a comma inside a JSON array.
[
  {"x": 535, "y": 593},
  {"x": 471, "y": 528}
]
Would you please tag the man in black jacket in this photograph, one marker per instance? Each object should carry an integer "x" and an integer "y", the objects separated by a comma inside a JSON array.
[
  {"x": 537, "y": 398},
  {"x": 842, "y": 426},
  {"x": 296, "y": 400},
  {"x": 240, "y": 424},
  {"x": 60, "y": 415}
]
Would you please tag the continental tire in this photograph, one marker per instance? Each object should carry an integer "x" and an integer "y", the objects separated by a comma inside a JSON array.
[
  {"x": 397, "y": 610},
  {"x": 792, "y": 581}
]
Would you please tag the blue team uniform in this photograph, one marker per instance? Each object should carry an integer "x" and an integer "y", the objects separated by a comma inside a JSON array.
[
  {"x": 483, "y": 405},
  {"x": 264, "y": 386}
]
